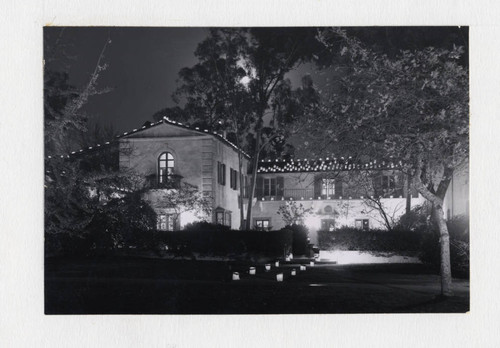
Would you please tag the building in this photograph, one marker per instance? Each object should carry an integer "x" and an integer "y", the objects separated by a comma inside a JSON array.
[
  {"x": 169, "y": 153},
  {"x": 336, "y": 191}
]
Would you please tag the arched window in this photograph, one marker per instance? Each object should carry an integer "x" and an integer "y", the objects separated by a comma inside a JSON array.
[{"x": 165, "y": 167}]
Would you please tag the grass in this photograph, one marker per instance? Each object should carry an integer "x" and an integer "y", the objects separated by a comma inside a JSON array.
[{"x": 155, "y": 286}]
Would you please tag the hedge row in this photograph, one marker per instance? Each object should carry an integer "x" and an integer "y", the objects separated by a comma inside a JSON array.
[
  {"x": 203, "y": 238},
  {"x": 424, "y": 244},
  {"x": 223, "y": 242},
  {"x": 347, "y": 238}
]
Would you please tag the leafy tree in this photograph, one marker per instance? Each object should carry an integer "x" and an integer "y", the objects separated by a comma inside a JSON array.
[
  {"x": 234, "y": 83},
  {"x": 184, "y": 198},
  {"x": 411, "y": 107},
  {"x": 270, "y": 55},
  {"x": 63, "y": 103},
  {"x": 368, "y": 185},
  {"x": 232, "y": 86},
  {"x": 293, "y": 213},
  {"x": 210, "y": 93},
  {"x": 122, "y": 221},
  {"x": 80, "y": 188},
  {"x": 78, "y": 195}
]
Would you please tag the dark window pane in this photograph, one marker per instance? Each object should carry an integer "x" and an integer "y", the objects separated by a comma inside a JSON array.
[{"x": 273, "y": 187}]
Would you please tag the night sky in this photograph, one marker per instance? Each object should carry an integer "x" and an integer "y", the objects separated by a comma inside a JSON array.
[
  {"x": 143, "y": 63},
  {"x": 142, "y": 68}
]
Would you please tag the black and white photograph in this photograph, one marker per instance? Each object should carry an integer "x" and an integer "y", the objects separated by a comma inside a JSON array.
[
  {"x": 265, "y": 173},
  {"x": 256, "y": 170}
]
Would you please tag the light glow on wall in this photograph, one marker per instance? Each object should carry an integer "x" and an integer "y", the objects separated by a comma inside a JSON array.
[
  {"x": 188, "y": 217},
  {"x": 313, "y": 222}
]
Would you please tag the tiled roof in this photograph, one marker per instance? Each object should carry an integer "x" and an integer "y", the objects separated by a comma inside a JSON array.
[
  {"x": 320, "y": 165},
  {"x": 165, "y": 120}
]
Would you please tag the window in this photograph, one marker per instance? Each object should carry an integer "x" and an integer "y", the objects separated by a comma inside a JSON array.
[
  {"x": 165, "y": 222},
  {"x": 233, "y": 179},
  {"x": 219, "y": 218},
  {"x": 262, "y": 224},
  {"x": 362, "y": 224},
  {"x": 221, "y": 173},
  {"x": 388, "y": 182},
  {"x": 223, "y": 217},
  {"x": 227, "y": 221},
  {"x": 328, "y": 224},
  {"x": 269, "y": 187},
  {"x": 328, "y": 187},
  {"x": 165, "y": 167}
]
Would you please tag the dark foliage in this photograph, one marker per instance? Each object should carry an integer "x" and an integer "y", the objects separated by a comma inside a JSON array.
[
  {"x": 217, "y": 240},
  {"x": 418, "y": 220},
  {"x": 459, "y": 247},
  {"x": 66, "y": 244},
  {"x": 300, "y": 234},
  {"x": 347, "y": 238},
  {"x": 120, "y": 223}
]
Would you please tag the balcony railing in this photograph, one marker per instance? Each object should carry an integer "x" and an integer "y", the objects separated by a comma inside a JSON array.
[
  {"x": 165, "y": 182},
  {"x": 308, "y": 194}
]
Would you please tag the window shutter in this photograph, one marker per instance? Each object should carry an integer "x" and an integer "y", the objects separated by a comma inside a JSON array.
[
  {"x": 219, "y": 177},
  {"x": 317, "y": 186},
  {"x": 338, "y": 188},
  {"x": 280, "y": 186},
  {"x": 258, "y": 187},
  {"x": 177, "y": 223},
  {"x": 377, "y": 184}
]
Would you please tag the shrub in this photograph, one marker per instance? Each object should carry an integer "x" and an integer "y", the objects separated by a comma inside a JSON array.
[
  {"x": 66, "y": 244},
  {"x": 418, "y": 219},
  {"x": 217, "y": 240},
  {"x": 300, "y": 242},
  {"x": 348, "y": 238}
]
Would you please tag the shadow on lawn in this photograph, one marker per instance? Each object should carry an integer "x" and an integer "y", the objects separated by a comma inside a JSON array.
[
  {"x": 154, "y": 286},
  {"x": 438, "y": 304}
]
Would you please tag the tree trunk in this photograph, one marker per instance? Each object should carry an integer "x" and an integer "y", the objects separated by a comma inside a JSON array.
[
  {"x": 242, "y": 182},
  {"x": 408, "y": 195},
  {"x": 444, "y": 238},
  {"x": 444, "y": 241},
  {"x": 255, "y": 165}
]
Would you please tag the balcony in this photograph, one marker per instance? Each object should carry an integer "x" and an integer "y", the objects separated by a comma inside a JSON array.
[
  {"x": 164, "y": 182},
  {"x": 308, "y": 194}
]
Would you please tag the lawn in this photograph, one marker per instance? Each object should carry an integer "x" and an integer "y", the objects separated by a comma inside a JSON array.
[{"x": 158, "y": 286}]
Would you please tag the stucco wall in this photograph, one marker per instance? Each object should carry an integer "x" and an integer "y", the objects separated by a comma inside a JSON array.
[
  {"x": 224, "y": 195},
  {"x": 195, "y": 157},
  {"x": 345, "y": 211},
  {"x": 141, "y": 156},
  {"x": 348, "y": 211},
  {"x": 301, "y": 184}
]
